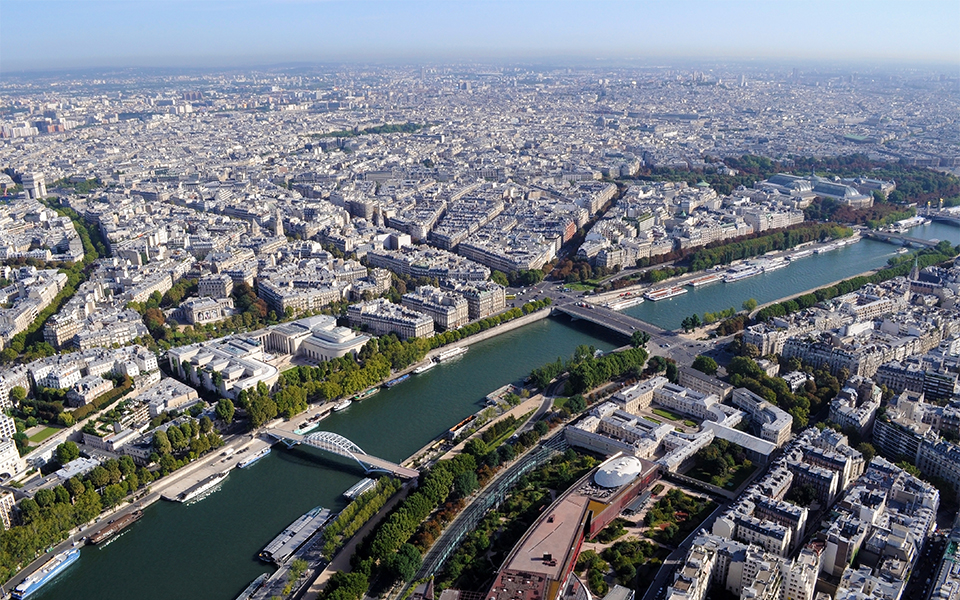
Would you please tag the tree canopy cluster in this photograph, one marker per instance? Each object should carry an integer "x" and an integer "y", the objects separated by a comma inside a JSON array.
[
  {"x": 879, "y": 215},
  {"x": 744, "y": 372},
  {"x": 252, "y": 313},
  {"x": 705, "y": 364},
  {"x": 579, "y": 270},
  {"x": 28, "y": 345},
  {"x": 918, "y": 184},
  {"x": 403, "y": 522},
  {"x": 496, "y": 534},
  {"x": 680, "y": 512},
  {"x": 357, "y": 513},
  {"x": 349, "y": 375},
  {"x": 720, "y": 458},
  {"x": 379, "y": 129},
  {"x": 587, "y": 371},
  {"x": 188, "y": 440},
  {"x": 49, "y": 516},
  {"x": 725, "y": 252}
]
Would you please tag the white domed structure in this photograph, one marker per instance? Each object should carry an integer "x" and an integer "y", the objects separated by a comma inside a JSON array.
[{"x": 618, "y": 472}]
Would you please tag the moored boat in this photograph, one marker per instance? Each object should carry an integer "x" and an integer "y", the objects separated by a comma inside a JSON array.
[
  {"x": 665, "y": 293},
  {"x": 741, "y": 272},
  {"x": 254, "y": 458},
  {"x": 365, "y": 394},
  {"x": 424, "y": 367},
  {"x": 115, "y": 527},
  {"x": 248, "y": 592},
  {"x": 46, "y": 573},
  {"x": 451, "y": 353},
  {"x": 295, "y": 535},
  {"x": 342, "y": 405},
  {"x": 774, "y": 264},
  {"x": 396, "y": 381},
  {"x": 705, "y": 280},
  {"x": 623, "y": 303},
  {"x": 204, "y": 486}
]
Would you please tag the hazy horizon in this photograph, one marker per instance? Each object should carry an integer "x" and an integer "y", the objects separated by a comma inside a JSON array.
[{"x": 42, "y": 35}]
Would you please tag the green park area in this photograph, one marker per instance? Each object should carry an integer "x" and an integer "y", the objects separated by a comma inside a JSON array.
[
  {"x": 43, "y": 434},
  {"x": 666, "y": 414},
  {"x": 629, "y": 562},
  {"x": 676, "y": 515},
  {"x": 722, "y": 464}
]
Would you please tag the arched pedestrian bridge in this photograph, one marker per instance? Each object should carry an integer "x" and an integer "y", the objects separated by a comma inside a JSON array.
[{"x": 341, "y": 446}]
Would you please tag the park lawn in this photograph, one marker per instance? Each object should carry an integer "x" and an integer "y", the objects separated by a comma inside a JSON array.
[
  {"x": 740, "y": 475},
  {"x": 45, "y": 433},
  {"x": 733, "y": 480},
  {"x": 693, "y": 521},
  {"x": 654, "y": 420},
  {"x": 689, "y": 423},
  {"x": 558, "y": 403},
  {"x": 581, "y": 287},
  {"x": 666, "y": 414}
]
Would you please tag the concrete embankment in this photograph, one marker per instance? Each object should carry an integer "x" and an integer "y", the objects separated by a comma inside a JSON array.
[{"x": 494, "y": 331}]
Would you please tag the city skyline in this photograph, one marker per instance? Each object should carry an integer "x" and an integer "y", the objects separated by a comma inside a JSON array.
[{"x": 235, "y": 33}]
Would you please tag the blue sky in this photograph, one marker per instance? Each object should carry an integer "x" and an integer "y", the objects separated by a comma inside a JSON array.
[{"x": 55, "y": 34}]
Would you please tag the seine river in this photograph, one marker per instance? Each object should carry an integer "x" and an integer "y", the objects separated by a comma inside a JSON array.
[
  {"x": 805, "y": 273},
  {"x": 207, "y": 550}
]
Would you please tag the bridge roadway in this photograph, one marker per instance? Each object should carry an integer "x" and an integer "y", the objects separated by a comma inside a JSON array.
[
  {"x": 369, "y": 462},
  {"x": 945, "y": 216},
  {"x": 611, "y": 319},
  {"x": 896, "y": 238},
  {"x": 662, "y": 341}
]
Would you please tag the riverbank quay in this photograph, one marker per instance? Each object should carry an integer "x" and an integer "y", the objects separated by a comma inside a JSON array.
[
  {"x": 681, "y": 280},
  {"x": 760, "y": 307},
  {"x": 243, "y": 446}
]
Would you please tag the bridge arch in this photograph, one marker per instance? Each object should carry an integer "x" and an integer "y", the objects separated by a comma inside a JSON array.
[{"x": 335, "y": 443}]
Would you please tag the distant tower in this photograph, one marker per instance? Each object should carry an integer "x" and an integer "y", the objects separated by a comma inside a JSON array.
[
  {"x": 34, "y": 185},
  {"x": 915, "y": 271},
  {"x": 254, "y": 228},
  {"x": 278, "y": 225}
]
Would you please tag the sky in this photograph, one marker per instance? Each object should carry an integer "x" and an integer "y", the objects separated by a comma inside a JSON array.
[{"x": 68, "y": 34}]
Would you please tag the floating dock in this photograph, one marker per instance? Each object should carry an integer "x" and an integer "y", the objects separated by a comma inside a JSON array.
[
  {"x": 295, "y": 535},
  {"x": 361, "y": 486}
]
